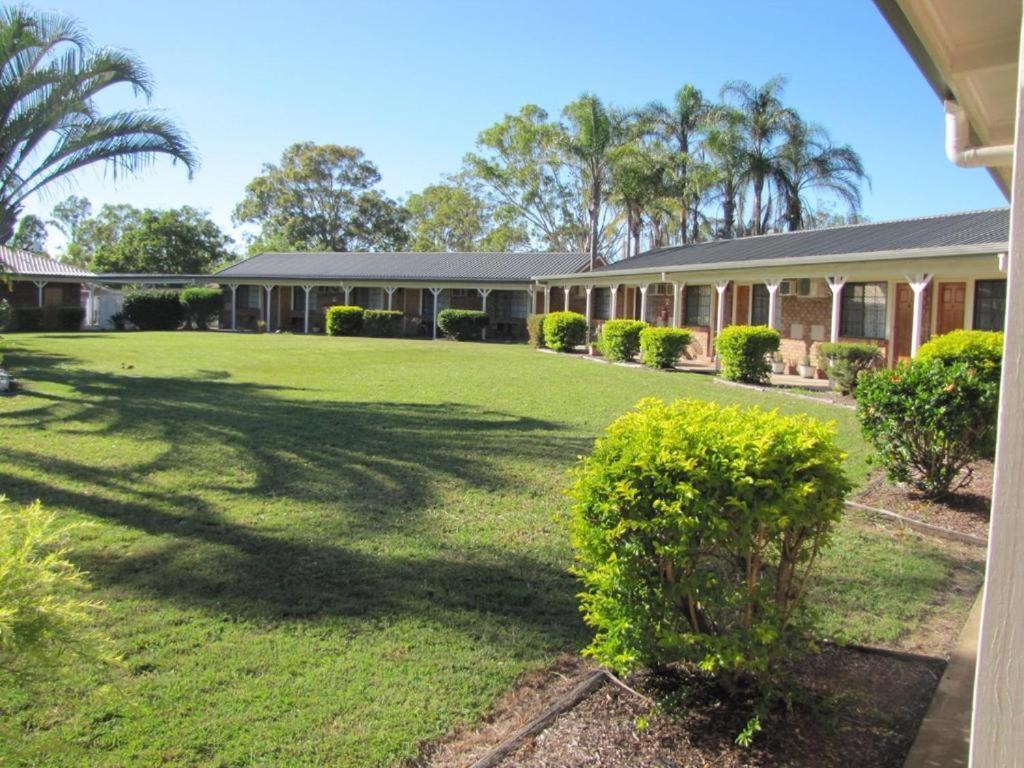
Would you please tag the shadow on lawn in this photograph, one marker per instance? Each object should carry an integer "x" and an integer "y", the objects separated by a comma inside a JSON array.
[{"x": 378, "y": 464}]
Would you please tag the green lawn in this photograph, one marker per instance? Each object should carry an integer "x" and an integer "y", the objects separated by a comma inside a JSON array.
[{"x": 325, "y": 551}]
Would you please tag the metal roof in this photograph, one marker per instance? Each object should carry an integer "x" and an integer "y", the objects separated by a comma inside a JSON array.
[
  {"x": 23, "y": 263},
  {"x": 424, "y": 267},
  {"x": 987, "y": 229}
]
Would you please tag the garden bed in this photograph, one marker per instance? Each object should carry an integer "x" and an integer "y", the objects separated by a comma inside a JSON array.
[{"x": 967, "y": 511}]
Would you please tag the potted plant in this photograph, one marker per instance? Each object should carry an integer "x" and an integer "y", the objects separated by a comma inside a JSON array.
[
  {"x": 778, "y": 364},
  {"x": 807, "y": 369}
]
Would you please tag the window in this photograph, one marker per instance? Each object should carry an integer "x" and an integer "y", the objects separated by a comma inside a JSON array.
[
  {"x": 989, "y": 305},
  {"x": 249, "y": 296},
  {"x": 602, "y": 303},
  {"x": 368, "y": 298},
  {"x": 660, "y": 289},
  {"x": 299, "y": 299},
  {"x": 759, "y": 302},
  {"x": 863, "y": 311},
  {"x": 518, "y": 305},
  {"x": 698, "y": 305}
]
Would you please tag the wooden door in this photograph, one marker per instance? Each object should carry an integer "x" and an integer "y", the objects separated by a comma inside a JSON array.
[
  {"x": 952, "y": 303},
  {"x": 904, "y": 321},
  {"x": 742, "y": 308}
]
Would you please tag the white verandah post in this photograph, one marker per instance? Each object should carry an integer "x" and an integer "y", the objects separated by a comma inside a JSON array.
[
  {"x": 390, "y": 291},
  {"x": 643, "y": 301},
  {"x": 435, "y": 292},
  {"x": 835, "y": 283},
  {"x": 234, "y": 305},
  {"x": 305, "y": 306},
  {"x": 90, "y": 298},
  {"x": 721, "y": 286},
  {"x": 773, "y": 291},
  {"x": 348, "y": 292},
  {"x": 547, "y": 299},
  {"x": 615, "y": 300},
  {"x": 40, "y": 284},
  {"x": 268, "y": 289},
  {"x": 917, "y": 284},
  {"x": 677, "y": 304},
  {"x": 566, "y": 289},
  {"x": 484, "y": 293},
  {"x": 589, "y": 315}
]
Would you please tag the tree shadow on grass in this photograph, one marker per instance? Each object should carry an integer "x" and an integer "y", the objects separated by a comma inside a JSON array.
[{"x": 224, "y": 445}]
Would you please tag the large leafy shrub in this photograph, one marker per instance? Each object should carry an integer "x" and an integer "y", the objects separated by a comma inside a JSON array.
[
  {"x": 462, "y": 324},
  {"x": 745, "y": 352},
  {"x": 620, "y": 339},
  {"x": 696, "y": 528},
  {"x": 929, "y": 421},
  {"x": 200, "y": 305},
  {"x": 70, "y": 318},
  {"x": 564, "y": 331},
  {"x": 535, "y": 330},
  {"x": 980, "y": 349},
  {"x": 342, "y": 320},
  {"x": 662, "y": 347},
  {"x": 844, "y": 361},
  {"x": 382, "y": 322},
  {"x": 6, "y": 314},
  {"x": 44, "y": 616},
  {"x": 28, "y": 318},
  {"x": 154, "y": 310}
]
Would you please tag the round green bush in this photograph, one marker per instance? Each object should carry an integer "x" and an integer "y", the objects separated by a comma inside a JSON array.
[
  {"x": 154, "y": 310},
  {"x": 535, "y": 330},
  {"x": 929, "y": 421},
  {"x": 844, "y": 361},
  {"x": 744, "y": 351},
  {"x": 696, "y": 528},
  {"x": 564, "y": 331},
  {"x": 662, "y": 347},
  {"x": 462, "y": 324},
  {"x": 70, "y": 318},
  {"x": 982, "y": 349},
  {"x": 382, "y": 322},
  {"x": 200, "y": 305},
  {"x": 28, "y": 318},
  {"x": 620, "y": 339},
  {"x": 342, "y": 320}
]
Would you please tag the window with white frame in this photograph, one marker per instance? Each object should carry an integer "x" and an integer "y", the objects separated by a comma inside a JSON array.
[
  {"x": 697, "y": 307},
  {"x": 759, "y": 303},
  {"x": 602, "y": 298},
  {"x": 250, "y": 296},
  {"x": 863, "y": 311}
]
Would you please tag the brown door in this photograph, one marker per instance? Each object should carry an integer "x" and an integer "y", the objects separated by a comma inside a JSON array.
[
  {"x": 904, "y": 319},
  {"x": 952, "y": 302},
  {"x": 742, "y": 304}
]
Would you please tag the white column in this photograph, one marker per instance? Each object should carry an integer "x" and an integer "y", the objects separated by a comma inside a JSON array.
[
  {"x": 40, "y": 284},
  {"x": 836, "y": 283},
  {"x": 773, "y": 290},
  {"x": 565, "y": 291},
  {"x": 917, "y": 284},
  {"x": 436, "y": 292},
  {"x": 547, "y": 299},
  {"x": 234, "y": 305},
  {"x": 615, "y": 299},
  {"x": 390, "y": 291},
  {"x": 531, "y": 301},
  {"x": 348, "y": 292},
  {"x": 720, "y": 286},
  {"x": 90, "y": 293},
  {"x": 677, "y": 304},
  {"x": 589, "y": 314},
  {"x": 643, "y": 301},
  {"x": 268, "y": 289},
  {"x": 305, "y": 320},
  {"x": 997, "y": 738},
  {"x": 484, "y": 293}
]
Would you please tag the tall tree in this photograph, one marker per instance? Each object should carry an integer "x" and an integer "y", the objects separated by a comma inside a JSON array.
[
  {"x": 174, "y": 241},
  {"x": 808, "y": 160},
  {"x": 452, "y": 217},
  {"x": 31, "y": 234},
  {"x": 520, "y": 163},
  {"x": 50, "y": 122},
  {"x": 101, "y": 232},
  {"x": 321, "y": 197},
  {"x": 67, "y": 217},
  {"x": 637, "y": 183},
  {"x": 725, "y": 143},
  {"x": 765, "y": 119}
]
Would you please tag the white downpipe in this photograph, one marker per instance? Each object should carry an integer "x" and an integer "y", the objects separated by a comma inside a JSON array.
[{"x": 958, "y": 142}]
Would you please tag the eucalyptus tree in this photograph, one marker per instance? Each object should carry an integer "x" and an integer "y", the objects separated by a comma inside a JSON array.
[
  {"x": 808, "y": 160},
  {"x": 30, "y": 235},
  {"x": 765, "y": 120},
  {"x": 51, "y": 124}
]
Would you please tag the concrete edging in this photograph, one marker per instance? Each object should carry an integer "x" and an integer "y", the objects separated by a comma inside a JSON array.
[{"x": 919, "y": 526}]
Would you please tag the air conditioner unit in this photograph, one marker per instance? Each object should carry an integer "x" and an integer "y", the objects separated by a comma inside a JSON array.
[
  {"x": 804, "y": 287},
  {"x": 787, "y": 287}
]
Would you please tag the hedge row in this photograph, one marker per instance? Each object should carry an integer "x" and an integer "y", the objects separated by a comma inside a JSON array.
[
  {"x": 52, "y": 318},
  {"x": 462, "y": 324}
]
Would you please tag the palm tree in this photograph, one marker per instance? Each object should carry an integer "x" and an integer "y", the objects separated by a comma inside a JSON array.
[
  {"x": 637, "y": 181},
  {"x": 50, "y": 124},
  {"x": 681, "y": 124},
  {"x": 809, "y": 160},
  {"x": 593, "y": 133},
  {"x": 765, "y": 120},
  {"x": 725, "y": 144}
]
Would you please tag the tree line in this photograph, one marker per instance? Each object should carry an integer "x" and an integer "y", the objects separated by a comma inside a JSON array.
[{"x": 595, "y": 178}]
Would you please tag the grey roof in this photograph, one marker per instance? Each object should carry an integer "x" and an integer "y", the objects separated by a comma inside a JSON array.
[
  {"x": 23, "y": 263},
  {"x": 982, "y": 228},
  {"x": 437, "y": 267}
]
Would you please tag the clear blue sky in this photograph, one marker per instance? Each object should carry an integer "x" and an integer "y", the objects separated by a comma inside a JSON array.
[{"x": 412, "y": 84}]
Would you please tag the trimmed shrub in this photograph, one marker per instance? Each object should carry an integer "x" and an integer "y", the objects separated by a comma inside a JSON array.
[
  {"x": 200, "y": 305},
  {"x": 981, "y": 349},
  {"x": 929, "y": 421},
  {"x": 462, "y": 324},
  {"x": 342, "y": 320},
  {"x": 620, "y": 339},
  {"x": 6, "y": 314},
  {"x": 662, "y": 347},
  {"x": 844, "y": 361},
  {"x": 382, "y": 322},
  {"x": 745, "y": 352},
  {"x": 535, "y": 330},
  {"x": 70, "y": 318},
  {"x": 564, "y": 331},
  {"x": 696, "y": 528},
  {"x": 28, "y": 318},
  {"x": 154, "y": 310},
  {"x": 118, "y": 320}
]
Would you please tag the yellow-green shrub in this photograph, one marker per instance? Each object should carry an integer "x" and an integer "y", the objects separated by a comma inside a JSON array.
[
  {"x": 662, "y": 347},
  {"x": 744, "y": 352},
  {"x": 620, "y": 339},
  {"x": 564, "y": 331},
  {"x": 343, "y": 320}
]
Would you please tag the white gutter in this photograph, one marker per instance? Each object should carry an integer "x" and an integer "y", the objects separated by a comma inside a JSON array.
[{"x": 958, "y": 142}]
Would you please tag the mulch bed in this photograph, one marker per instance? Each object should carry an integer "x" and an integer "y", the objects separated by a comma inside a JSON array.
[{"x": 967, "y": 511}]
